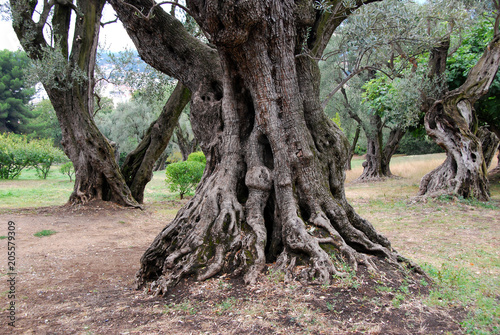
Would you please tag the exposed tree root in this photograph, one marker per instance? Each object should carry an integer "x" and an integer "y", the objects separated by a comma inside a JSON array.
[{"x": 215, "y": 233}]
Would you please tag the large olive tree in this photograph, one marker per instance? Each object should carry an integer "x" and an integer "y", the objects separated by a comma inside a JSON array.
[{"x": 273, "y": 187}]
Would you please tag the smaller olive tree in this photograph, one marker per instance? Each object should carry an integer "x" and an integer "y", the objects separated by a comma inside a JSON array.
[
  {"x": 14, "y": 155},
  {"x": 183, "y": 177},
  {"x": 68, "y": 170},
  {"x": 44, "y": 155}
]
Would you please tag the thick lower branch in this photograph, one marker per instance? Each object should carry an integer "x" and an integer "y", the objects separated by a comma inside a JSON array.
[{"x": 138, "y": 166}]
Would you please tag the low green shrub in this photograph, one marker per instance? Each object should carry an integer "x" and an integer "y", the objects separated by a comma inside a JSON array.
[
  {"x": 183, "y": 177},
  {"x": 197, "y": 156},
  {"x": 18, "y": 153}
]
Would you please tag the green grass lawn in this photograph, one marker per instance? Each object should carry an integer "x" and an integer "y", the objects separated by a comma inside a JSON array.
[{"x": 30, "y": 191}]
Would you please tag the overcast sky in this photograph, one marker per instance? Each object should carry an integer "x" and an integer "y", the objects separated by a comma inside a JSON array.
[{"x": 113, "y": 37}]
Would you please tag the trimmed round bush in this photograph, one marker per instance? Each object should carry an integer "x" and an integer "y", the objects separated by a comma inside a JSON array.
[
  {"x": 183, "y": 177},
  {"x": 197, "y": 156}
]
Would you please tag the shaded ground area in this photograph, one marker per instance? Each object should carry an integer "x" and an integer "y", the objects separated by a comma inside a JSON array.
[{"x": 81, "y": 281}]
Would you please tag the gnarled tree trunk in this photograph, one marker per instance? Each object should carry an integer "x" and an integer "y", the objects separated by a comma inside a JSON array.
[
  {"x": 356, "y": 118},
  {"x": 70, "y": 86},
  {"x": 272, "y": 190},
  {"x": 450, "y": 121},
  {"x": 378, "y": 154}
]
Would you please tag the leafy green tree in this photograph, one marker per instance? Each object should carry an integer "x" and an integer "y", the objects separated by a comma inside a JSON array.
[
  {"x": 15, "y": 94},
  {"x": 68, "y": 170},
  {"x": 18, "y": 152},
  {"x": 61, "y": 38},
  {"x": 127, "y": 124},
  {"x": 374, "y": 55},
  {"x": 44, "y": 155},
  {"x": 392, "y": 104}
]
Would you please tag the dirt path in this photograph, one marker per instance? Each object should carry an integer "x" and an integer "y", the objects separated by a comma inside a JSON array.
[{"x": 81, "y": 281}]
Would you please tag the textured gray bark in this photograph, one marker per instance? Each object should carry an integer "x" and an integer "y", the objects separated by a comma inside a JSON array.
[{"x": 273, "y": 187}]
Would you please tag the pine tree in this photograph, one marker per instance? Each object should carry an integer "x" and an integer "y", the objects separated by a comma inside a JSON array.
[{"x": 14, "y": 93}]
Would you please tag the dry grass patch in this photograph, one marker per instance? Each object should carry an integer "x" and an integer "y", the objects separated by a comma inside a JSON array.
[{"x": 413, "y": 168}]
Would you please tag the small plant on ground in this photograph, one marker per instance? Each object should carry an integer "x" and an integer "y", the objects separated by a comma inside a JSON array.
[
  {"x": 3, "y": 237},
  {"x": 44, "y": 233},
  {"x": 68, "y": 169},
  {"x": 275, "y": 276},
  {"x": 398, "y": 300},
  {"x": 349, "y": 280},
  {"x": 225, "y": 305}
]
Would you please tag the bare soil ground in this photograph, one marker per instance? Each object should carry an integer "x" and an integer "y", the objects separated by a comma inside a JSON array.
[{"x": 81, "y": 281}]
